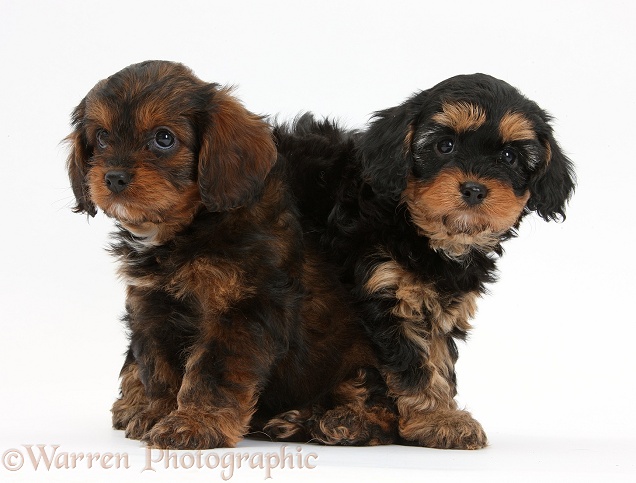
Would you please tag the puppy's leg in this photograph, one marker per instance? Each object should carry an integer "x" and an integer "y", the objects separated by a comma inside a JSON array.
[
  {"x": 133, "y": 398},
  {"x": 428, "y": 412},
  {"x": 363, "y": 415},
  {"x": 224, "y": 373},
  {"x": 152, "y": 364},
  {"x": 161, "y": 384},
  {"x": 412, "y": 327}
]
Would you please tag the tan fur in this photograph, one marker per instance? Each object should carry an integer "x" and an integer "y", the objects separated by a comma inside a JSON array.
[
  {"x": 133, "y": 397},
  {"x": 447, "y": 429},
  {"x": 217, "y": 284},
  {"x": 202, "y": 422},
  {"x": 98, "y": 112},
  {"x": 548, "y": 153},
  {"x": 438, "y": 210},
  {"x": 352, "y": 391},
  {"x": 408, "y": 139},
  {"x": 414, "y": 295},
  {"x": 460, "y": 116},
  {"x": 141, "y": 422},
  {"x": 351, "y": 424},
  {"x": 193, "y": 428},
  {"x": 427, "y": 321},
  {"x": 150, "y": 205},
  {"x": 289, "y": 424},
  {"x": 514, "y": 126}
]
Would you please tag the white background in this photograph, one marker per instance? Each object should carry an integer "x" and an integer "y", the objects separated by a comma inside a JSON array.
[{"x": 549, "y": 369}]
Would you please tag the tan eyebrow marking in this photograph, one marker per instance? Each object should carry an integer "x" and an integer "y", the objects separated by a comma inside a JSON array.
[
  {"x": 99, "y": 113},
  {"x": 548, "y": 152},
  {"x": 408, "y": 139},
  {"x": 514, "y": 126},
  {"x": 460, "y": 116}
]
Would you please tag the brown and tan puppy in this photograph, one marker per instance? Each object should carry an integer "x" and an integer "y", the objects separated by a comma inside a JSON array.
[{"x": 233, "y": 321}]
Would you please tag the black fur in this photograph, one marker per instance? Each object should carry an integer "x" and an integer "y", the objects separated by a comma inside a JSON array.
[{"x": 350, "y": 186}]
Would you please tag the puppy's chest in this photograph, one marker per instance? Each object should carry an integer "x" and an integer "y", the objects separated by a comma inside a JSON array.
[
  {"x": 419, "y": 303},
  {"x": 213, "y": 282}
]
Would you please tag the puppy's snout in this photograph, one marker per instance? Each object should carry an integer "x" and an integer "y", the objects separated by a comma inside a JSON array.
[
  {"x": 117, "y": 181},
  {"x": 473, "y": 193}
]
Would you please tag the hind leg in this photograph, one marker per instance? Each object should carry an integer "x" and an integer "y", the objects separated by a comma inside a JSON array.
[{"x": 361, "y": 415}]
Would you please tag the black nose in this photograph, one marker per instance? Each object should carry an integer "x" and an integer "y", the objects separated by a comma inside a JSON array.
[
  {"x": 117, "y": 181},
  {"x": 473, "y": 193}
]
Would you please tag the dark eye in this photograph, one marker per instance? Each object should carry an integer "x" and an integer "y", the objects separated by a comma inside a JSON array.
[
  {"x": 164, "y": 139},
  {"x": 509, "y": 156},
  {"x": 446, "y": 146},
  {"x": 102, "y": 138}
]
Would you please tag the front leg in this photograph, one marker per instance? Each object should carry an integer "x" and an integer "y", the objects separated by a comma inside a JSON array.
[
  {"x": 412, "y": 327},
  {"x": 224, "y": 374},
  {"x": 133, "y": 411},
  {"x": 161, "y": 381},
  {"x": 132, "y": 399},
  {"x": 428, "y": 413},
  {"x": 424, "y": 391},
  {"x": 151, "y": 379}
]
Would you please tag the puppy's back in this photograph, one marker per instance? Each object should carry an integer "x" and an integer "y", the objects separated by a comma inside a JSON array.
[{"x": 317, "y": 155}]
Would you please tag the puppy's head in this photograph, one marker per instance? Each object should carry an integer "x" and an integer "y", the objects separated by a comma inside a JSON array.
[
  {"x": 153, "y": 143},
  {"x": 469, "y": 158}
]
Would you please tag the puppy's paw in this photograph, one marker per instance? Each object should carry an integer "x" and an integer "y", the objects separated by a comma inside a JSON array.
[
  {"x": 447, "y": 429},
  {"x": 190, "y": 429},
  {"x": 143, "y": 421},
  {"x": 351, "y": 425},
  {"x": 288, "y": 425},
  {"x": 123, "y": 412}
]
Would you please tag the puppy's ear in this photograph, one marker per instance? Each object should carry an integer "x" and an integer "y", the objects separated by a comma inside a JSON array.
[
  {"x": 553, "y": 184},
  {"x": 77, "y": 162},
  {"x": 236, "y": 153},
  {"x": 385, "y": 150}
]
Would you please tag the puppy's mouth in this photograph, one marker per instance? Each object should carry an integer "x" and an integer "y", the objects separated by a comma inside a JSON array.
[{"x": 458, "y": 212}]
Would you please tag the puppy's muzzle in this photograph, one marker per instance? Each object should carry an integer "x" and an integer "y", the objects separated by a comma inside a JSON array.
[
  {"x": 473, "y": 193},
  {"x": 117, "y": 181}
]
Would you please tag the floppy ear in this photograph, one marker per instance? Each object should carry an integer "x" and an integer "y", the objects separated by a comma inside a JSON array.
[
  {"x": 77, "y": 162},
  {"x": 385, "y": 150},
  {"x": 236, "y": 153},
  {"x": 552, "y": 186}
]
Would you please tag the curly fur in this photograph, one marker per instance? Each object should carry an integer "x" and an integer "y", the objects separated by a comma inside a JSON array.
[
  {"x": 414, "y": 210},
  {"x": 233, "y": 319}
]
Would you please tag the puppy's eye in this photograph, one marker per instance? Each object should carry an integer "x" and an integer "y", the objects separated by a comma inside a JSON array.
[
  {"x": 509, "y": 156},
  {"x": 102, "y": 138},
  {"x": 446, "y": 146},
  {"x": 164, "y": 139}
]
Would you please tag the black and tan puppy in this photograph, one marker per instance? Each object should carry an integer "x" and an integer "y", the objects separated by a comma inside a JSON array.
[
  {"x": 413, "y": 209},
  {"x": 232, "y": 319}
]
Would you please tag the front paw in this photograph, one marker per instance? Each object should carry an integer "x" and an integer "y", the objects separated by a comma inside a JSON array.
[
  {"x": 191, "y": 429},
  {"x": 447, "y": 429},
  {"x": 143, "y": 421},
  {"x": 123, "y": 412}
]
